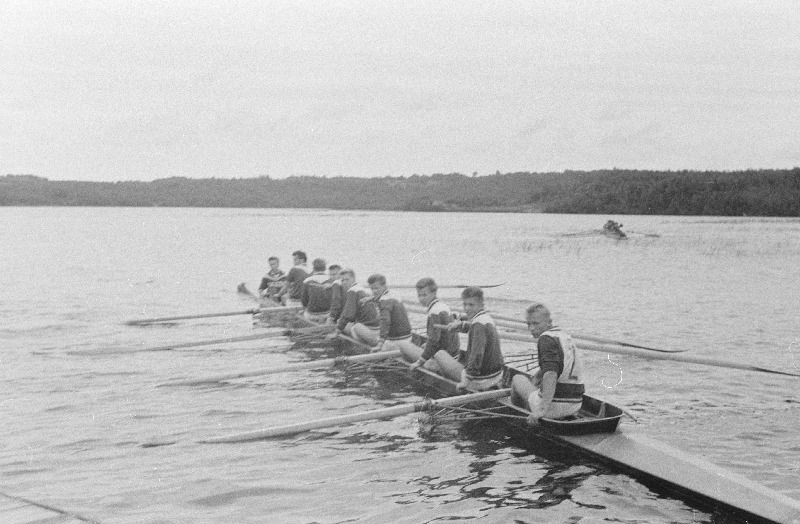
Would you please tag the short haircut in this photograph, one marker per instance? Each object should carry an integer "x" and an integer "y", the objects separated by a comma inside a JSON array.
[
  {"x": 334, "y": 267},
  {"x": 274, "y": 258},
  {"x": 472, "y": 292},
  {"x": 347, "y": 271},
  {"x": 537, "y": 307},
  {"x": 377, "y": 277},
  {"x": 301, "y": 255},
  {"x": 429, "y": 283},
  {"x": 319, "y": 264}
]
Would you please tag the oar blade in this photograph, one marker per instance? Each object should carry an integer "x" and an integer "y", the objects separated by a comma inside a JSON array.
[{"x": 242, "y": 290}]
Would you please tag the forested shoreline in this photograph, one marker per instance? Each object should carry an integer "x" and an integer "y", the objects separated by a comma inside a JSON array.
[{"x": 615, "y": 191}]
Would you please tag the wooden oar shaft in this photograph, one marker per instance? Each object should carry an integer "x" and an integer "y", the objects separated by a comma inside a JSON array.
[
  {"x": 514, "y": 323},
  {"x": 358, "y": 343},
  {"x": 259, "y": 336},
  {"x": 691, "y": 359},
  {"x": 519, "y": 325},
  {"x": 394, "y": 411},
  {"x": 449, "y": 286},
  {"x": 189, "y": 317},
  {"x": 633, "y": 352},
  {"x": 314, "y": 364},
  {"x": 251, "y": 311}
]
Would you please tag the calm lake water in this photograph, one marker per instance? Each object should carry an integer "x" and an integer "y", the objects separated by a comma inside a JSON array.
[{"x": 74, "y": 427}]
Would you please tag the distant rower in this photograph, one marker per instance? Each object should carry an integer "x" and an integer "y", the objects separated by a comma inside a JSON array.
[
  {"x": 316, "y": 295},
  {"x": 272, "y": 282},
  {"x": 292, "y": 290}
]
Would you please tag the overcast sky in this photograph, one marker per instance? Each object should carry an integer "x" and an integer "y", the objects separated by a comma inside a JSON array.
[{"x": 139, "y": 90}]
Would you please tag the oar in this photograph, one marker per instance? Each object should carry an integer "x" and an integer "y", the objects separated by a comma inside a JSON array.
[
  {"x": 608, "y": 348},
  {"x": 513, "y": 323},
  {"x": 449, "y": 286},
  {"x": 520, "y": 325},
  {"x": 242, "y": 290},
  {"x": 362, "y": 345},
  {"x": 251, "y": 311},
  {"x": 314, "y": 364},
  {"x": 271, "y": 334},
  {"x": 395, "y": 411}
]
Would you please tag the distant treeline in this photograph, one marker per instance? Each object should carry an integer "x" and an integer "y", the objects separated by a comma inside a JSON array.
[{"x": 617, "y": 191}]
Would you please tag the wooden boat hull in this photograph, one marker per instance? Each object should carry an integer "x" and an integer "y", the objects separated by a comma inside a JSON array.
[
  {"x": 615, "y": 233},
  {"x": 656, "y": 464},
  {"x": 688, "y": 476}
]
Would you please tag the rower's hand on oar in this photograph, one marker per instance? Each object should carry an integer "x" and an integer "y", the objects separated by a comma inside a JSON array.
[
  {"x": 333, "y": 335},
  {"x": 537, "y": 412},
  {"x": 464, "y": 382},
  {"x": 379, "y": 347},
  {"x": 454, "y": 325},
  {"x": 414, "y": 365}
]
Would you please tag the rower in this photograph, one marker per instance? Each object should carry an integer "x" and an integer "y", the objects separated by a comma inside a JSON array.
[
  {"x": 395, "y": 328},
  {"x": 292, "y": 290},
  {"x": 439, "y": 343},
  {"x": 272, "y": 282},
  {"x": 359, "y": 318},
  {"x": 556, "y": 389},
  {"x": 482, "y": 362},
  {"x": 337, "y": 295},
  {"x": 316, "y": 295}
]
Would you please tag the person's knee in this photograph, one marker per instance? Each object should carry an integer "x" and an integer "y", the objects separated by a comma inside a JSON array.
[
  {"x": 365, "y": 334},
  {"x": 520, "y": 383},
  {"x": 433, "y": 365},
  {"x": 410, "y": 351}
]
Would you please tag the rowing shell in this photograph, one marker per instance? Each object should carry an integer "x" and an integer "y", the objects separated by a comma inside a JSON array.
[{"x": 595, "y": 432}]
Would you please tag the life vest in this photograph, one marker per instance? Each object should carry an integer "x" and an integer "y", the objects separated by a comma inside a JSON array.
[{"x": 569, "y": 385}]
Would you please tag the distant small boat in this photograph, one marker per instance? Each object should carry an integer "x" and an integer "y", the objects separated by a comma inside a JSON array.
[{"x": 614, "y": 229}]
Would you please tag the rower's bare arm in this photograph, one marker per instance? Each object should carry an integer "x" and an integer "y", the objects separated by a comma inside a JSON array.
[{"x": 548, "y": 389}]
